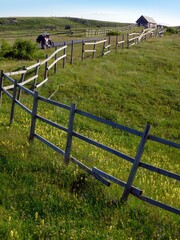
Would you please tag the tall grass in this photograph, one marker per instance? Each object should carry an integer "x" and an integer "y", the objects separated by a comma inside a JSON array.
[{"x": 40, "y": 198}]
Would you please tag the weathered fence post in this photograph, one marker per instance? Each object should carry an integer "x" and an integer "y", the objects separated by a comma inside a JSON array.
[
  {"x": 117, "y": 40},
  {"x": 46, "y": 68},
  {"x": 109, "y": 43},
  {"x": 135, "y": 164},
  {"x": 64, "y": 52},
  {"x": 104, "y": 47},
  {"x": 36, "y": 73},
  {"x": 1, "y": 85},
  {"x": 94, "y": 49},
  {"x": 13, "y": 101},
  {"x": 72, "y": 52},
  {"x": 127, "y": 40},
  {"x": 83, "y": 45},
  {"x": 69, "y": 134},
  {"x": 33, "y": 116},
  {"x": 21, "y": 80},
  {"x": 123, "y": 40},
  {"x": 55, "y": 65}
]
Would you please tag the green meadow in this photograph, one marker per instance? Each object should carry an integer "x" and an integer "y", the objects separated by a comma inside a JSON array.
[{"x": 42, "y": 198}]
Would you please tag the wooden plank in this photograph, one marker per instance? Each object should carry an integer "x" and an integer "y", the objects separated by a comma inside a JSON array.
[
  {"x": 72, "y": 52},
  {"x": 24, "y": 107},
  {"x": 33, "y": 116},
  {"x": 14, "y": 73},
  {"x": 134, "y": 190},
  {"x": 136, "y": 163},
  {"x": 9, "y": 78},
  {"x": 26, "y": 90},
  {"x": 52, "y": 55},
  {"x": 132, "y": 39},
  {"x": 28, "y": 80},
  {"x": 54, "y": 103},
  {"x": 101, "y": 179},
  {"x": 13, "y": 101},
  {"x": 1, "y": 85},
  {"x": 90, "y": 50},
  {"x": 121, "y": 42},
  {"x": 69, "y": 134},
  {"x": 104, "y": 147},
  {"x": 107, "y": 46},
  {"x": 58, "y": 59},
  {"x": 49, "y": 144},
  {"x": 163, "y": 141},
  {"x": 41, "y": 83},
  {"x": 56, "y": 125},
  {"x": 106, "y": 52},
  {"x": 33, "y": 66},
  {"x": 107, "y": 122},
  {"x": 159, "y": 204},
  {"x": 159, "y": 171},
  {"x": 81, "y": 165},
  {"x": 7, "y": 93},
  {"x": 21, "y": 80}
]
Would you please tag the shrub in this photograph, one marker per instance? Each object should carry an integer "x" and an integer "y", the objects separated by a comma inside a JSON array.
[
  {"x": 6, "y": 49},
  {"x": 67, "y": 27},
  {"x": 113, "y": 33},
  {"x": 21, "y": 49},
  {"x": 171, "y": 30}
]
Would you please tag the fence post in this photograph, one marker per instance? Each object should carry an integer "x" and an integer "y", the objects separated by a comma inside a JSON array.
[
  {"x": 1, "y": 85},
  {"x": 127, "y": 40},
  {"x": 72, "y": 52},
  {"x": 36, "y": 73},
  {"x": 13, "y": 101},
  {"x": 122, "y": 41},
  {"x": 45, "y": 68},
  {"x": 94, "y": 48},
  {"x": 116, "y": 42},
  {"x": 135, "y": 164},
  {"x": 55, "y": 65},
  {"x": 64, "y": 59},
  {"x": 33, "y": 116},
  {"x": 104, "y": 47},
  {"x": 21, "y": 80},
  {"x": 109, "y": 42},
  {"x": 69, "y": 134},
  {"x": 83, "y": 44}
]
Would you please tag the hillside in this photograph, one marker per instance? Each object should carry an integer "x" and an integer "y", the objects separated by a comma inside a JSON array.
[
  {"x": 41, "y": 198},
  {"x": 51, "y": 23}
]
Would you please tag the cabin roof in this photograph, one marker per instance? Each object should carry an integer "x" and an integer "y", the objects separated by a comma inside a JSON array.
[{"x": 148, "y": 19}]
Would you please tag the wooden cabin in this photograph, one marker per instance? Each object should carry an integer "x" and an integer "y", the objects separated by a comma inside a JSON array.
[{"x": 147, "y": 22}]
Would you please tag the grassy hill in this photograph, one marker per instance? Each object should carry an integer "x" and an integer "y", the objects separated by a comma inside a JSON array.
[
  {"x": 27, "y": 23},
  {"x": 40, "y": 198}
]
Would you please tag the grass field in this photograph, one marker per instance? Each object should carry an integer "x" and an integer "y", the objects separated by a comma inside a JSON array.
[{"x": 40, "y": 198}]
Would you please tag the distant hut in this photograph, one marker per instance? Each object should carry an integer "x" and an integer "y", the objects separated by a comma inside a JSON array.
[{"x": 147, "y": 22}]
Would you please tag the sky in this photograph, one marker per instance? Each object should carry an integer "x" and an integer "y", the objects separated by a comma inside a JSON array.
[{"x": 165, "y": 12}]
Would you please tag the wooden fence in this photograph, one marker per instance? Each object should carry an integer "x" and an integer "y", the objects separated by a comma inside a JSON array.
[
  {"x": 34, "y": 70},
  {"x": 104, "y": 177},
  {"x": 105, "y": 31},
  {"x": 105, "y": 48}
]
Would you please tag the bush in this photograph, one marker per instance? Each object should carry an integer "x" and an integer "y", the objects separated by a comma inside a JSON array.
[
  {"x": 6, "y": 49},
  {"x": 113, "y": 33},
  {"x": 21, "y": 49},
  {"x": 171, "y": 30},
  {"x": 67, "y": 27}
]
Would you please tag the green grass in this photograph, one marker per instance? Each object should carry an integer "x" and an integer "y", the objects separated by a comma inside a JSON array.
[{"x": 40, "y": 198}]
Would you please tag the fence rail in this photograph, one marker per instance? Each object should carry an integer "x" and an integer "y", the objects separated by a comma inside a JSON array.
[{"x": 104, "y": 177}]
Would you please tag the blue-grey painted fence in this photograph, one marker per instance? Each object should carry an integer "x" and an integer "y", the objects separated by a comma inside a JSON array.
[{"x": 98, "y": 174}]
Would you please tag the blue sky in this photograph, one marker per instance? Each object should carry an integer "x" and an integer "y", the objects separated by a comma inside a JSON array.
[{"x": 163, "y": 11}]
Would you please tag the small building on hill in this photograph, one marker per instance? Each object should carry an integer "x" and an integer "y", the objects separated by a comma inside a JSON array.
[{"x": 147, "y": 22}]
